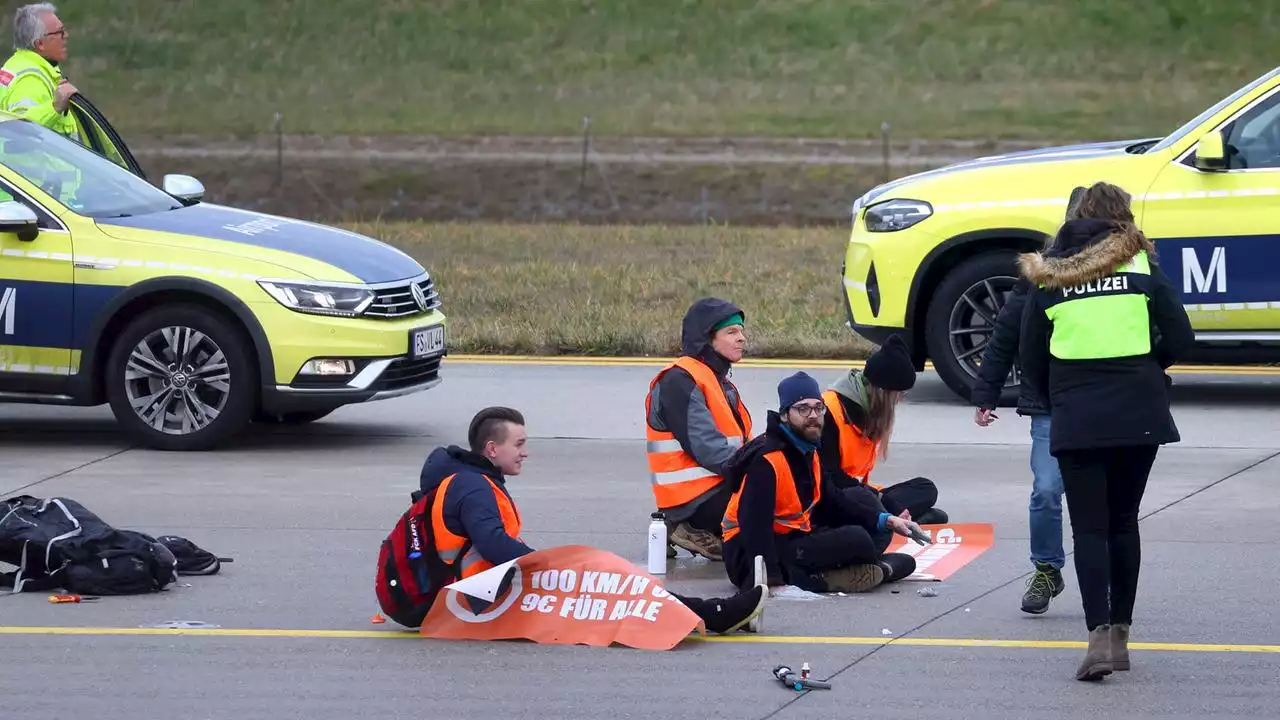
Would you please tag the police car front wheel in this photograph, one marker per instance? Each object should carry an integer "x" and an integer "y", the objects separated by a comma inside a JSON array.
[
  {"x": 181, "y": 378},
  {"x": 961, "y": 320}
]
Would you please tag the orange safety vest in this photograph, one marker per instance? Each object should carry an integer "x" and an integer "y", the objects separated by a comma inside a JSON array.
[
  {"x": 448, "y": 545},
  {"x": 857, "y": 453},
  {"x": 675, "y": 476},
  {"x": 788, "y": 515}
]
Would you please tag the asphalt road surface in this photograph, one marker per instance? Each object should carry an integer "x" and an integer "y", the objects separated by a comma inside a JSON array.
[{"x": 302, "y": 511}]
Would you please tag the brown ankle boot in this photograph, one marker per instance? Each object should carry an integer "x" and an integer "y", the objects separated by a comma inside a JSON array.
[
  {"x": 1119, "y": 647},
  {"x": 1097, "y": 659}
]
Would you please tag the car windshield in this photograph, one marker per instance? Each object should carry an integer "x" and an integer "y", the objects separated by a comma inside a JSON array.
[
  {"x": 1203, "y": 117},
  {"x": 87, "y": 183}
]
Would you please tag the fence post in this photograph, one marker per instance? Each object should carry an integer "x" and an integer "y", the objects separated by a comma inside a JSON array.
[
  {"x": 586, "y": 142},
  {"x": 884, "y": 139},
  {"x": 279, "y": 149}
]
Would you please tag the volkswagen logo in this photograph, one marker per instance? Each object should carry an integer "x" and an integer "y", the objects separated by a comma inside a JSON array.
[{"x": 418, "y": 296}]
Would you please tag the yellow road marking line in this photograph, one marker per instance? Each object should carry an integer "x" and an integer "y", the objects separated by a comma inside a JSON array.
[
  {"x": 985, "y": 643},
  {"x": 602, "y": 361},
  {"x": 743, "y": 639},
  {"x": 580, "y": 360}
]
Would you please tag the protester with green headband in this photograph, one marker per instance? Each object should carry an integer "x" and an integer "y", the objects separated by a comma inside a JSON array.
[{"x": 694, "y": 421}]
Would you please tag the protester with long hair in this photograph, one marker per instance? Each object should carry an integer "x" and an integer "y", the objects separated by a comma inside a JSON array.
[
  {"x": 1099, "y": 330},
  {"x": 862, "y": 406}
]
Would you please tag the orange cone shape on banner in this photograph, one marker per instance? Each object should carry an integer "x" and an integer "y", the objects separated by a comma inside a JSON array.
[
  {"x": 953, "y": 547},
  {"x": 568, "y": 595}
]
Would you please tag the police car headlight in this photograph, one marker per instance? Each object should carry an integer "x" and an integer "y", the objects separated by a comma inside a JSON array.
[
  {"x": 320, "y": 298},
  {"x": 894, "y": 215}
]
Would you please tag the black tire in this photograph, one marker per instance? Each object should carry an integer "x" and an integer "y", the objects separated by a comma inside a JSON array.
[
  {"x": 297, "y": 417},
  {"x": 204, "y": 383},
  {"x": 956, "y": 357}
]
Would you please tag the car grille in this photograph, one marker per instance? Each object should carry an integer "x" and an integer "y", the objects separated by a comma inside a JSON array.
[
  {"x": 398, "y": 302},
  {"x": 405, "y": 372}
]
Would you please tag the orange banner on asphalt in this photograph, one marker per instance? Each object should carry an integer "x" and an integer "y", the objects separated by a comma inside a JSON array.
[
  {"x": 953, "y": 547},
  {"x": 568, "y": 595}
]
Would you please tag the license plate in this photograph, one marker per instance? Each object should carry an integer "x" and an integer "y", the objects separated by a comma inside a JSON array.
[{"x": 426, "y": 342}]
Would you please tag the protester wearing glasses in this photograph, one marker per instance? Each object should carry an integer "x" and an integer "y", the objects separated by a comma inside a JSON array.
[{"x": 783, "y": 508}]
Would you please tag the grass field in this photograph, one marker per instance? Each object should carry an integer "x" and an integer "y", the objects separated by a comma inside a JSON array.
[
  {"x": 1051, "y": 69},
  {"x": 620, "y": 290}
]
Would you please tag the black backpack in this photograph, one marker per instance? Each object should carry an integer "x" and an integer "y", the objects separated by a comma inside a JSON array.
[
  {"x": 410, "y": 572},
  {"x": 59, "y": 543},
  {"x": 192, "y": 559}
]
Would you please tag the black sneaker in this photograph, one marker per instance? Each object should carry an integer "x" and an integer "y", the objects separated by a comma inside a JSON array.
[
  {"x": 897, "y": 566},
  {"x": 932, "y": 516},
  {"x": 724, "y": 615},
  {"x": 1045, "y": 585}
]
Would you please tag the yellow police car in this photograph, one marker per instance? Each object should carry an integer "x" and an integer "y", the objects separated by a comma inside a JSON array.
[
  {"x": 191, "y": 319},
  {"x": 932, "y": 256}
]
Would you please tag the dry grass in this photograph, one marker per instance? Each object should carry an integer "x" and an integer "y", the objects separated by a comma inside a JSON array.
[
  {"x": 1043, "y": 69},
  {"x": 622, "y": 290}
]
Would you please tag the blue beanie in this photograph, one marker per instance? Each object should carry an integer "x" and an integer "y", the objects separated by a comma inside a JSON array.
[{"x": 795, "y": 388}]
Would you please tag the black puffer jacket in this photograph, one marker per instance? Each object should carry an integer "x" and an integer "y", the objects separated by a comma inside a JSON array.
[
  {"x": 1109, "y": 402},
  {"x": 1000, "y": 355}
]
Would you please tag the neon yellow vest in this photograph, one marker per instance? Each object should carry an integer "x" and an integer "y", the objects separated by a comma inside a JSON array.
[
  {"x": 34, "y": 100},
  {"x": 1105, "y": 318}
]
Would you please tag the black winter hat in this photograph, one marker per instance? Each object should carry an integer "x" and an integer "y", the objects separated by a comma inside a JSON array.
[
  {"x": 890, "y": 367},
  {"x": 795, "y": 388}
]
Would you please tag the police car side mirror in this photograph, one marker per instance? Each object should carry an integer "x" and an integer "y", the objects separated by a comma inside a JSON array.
[
  {"x": 185, "y": 188},
  {"x": 19, "y": 219},
  {"x": 1211, "y": 152}
]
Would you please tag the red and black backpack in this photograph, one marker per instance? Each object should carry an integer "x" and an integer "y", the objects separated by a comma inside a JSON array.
[{"x": 410, "y": 571}]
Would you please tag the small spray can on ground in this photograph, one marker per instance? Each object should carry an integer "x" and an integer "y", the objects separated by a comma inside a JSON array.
[{"x": 657, "y": 544}]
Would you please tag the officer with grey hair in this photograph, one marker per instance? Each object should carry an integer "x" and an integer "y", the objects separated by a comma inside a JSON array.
[{"x": 31, "y": 81}]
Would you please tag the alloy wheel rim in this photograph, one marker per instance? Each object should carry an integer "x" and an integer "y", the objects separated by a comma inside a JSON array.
[
  {"x": 973, "y": 321},
  {"x": 177, "y": 380}
]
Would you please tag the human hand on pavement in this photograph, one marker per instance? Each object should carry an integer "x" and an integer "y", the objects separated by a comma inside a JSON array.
[
  {"x": 62, "y": 95},
  {"x": 983, "y": 417},
  {"x": 899, "y": 524}
]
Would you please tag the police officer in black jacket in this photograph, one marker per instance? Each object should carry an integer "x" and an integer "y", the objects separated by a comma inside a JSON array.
[
  {"x": 1087, "y": 344},
  {"x": 1045, "y": 507}
]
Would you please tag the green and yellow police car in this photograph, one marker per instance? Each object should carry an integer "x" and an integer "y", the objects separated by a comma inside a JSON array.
[
  {"x": 191, "y": 319},
  {"x": 932, "y": 256}
]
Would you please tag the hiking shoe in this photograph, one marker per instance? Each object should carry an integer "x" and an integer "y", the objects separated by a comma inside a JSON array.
[
  {"x": 698, "y": 542},
  {"x": 726, "y": 615},
  {"x": 853, "y": 578},
  {"x": 1045, "y": 585}
]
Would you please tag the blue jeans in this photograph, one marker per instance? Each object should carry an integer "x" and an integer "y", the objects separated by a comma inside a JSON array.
[{"x": 1046, "y": 498}]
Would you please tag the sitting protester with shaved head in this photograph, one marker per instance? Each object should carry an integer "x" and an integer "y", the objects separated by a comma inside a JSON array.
[{"x": 464, "y": 521}]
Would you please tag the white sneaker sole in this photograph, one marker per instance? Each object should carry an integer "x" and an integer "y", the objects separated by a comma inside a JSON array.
[{"x": 761, "y": 578}]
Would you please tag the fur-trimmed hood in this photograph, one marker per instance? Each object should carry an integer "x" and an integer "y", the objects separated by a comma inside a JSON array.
[{"x": 1083, "y": 251}]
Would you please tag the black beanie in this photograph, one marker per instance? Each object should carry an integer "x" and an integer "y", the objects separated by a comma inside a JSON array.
[
  {"x": 795, "y": 388},
  {"x": 890, "y": 367}
]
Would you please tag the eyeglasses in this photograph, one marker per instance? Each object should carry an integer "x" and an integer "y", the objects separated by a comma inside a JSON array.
[
  {"x": 62, "y": 33},
  {"x": 805, "y": 410}
]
